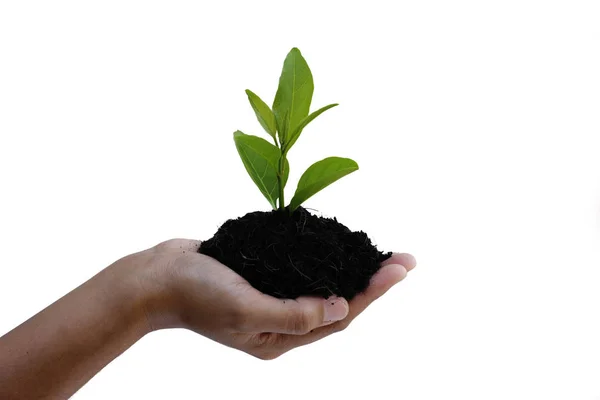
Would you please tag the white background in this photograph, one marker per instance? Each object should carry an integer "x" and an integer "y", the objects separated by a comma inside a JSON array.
[{"x": 475, "y": 125}]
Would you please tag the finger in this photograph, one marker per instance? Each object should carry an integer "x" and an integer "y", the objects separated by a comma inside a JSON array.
[
  {"x": 405, "y": 259},
  {"x": 293, "y": 317},
  {"x": 381, "y": 282}
]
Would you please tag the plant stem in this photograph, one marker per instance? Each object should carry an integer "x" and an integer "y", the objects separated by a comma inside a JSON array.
[{"x": 280, "y": 181}]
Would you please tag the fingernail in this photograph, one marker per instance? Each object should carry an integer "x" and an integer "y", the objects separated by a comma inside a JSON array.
[{"x": 336, "y": 309}]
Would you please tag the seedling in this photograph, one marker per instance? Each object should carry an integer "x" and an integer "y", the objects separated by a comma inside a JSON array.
[
  {"x": 288, "y": 252},
  {"x": 267, "y": 163}
]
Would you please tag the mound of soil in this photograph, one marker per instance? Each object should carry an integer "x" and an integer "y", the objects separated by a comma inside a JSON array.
[{"x": 288, "y": 256}]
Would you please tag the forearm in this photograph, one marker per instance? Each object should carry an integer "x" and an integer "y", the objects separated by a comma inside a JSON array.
[{"x": 53, "y": 354}]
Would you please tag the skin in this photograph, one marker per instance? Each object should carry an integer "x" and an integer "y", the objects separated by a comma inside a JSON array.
[{"x": 54, "y": 353}]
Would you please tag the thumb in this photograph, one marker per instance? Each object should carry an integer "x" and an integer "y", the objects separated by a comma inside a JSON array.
[{"x": 296, "y": 317}]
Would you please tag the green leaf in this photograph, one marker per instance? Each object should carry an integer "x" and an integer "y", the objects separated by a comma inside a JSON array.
[
  {"x": 263, "y": 113},
  {"x": 296, "y": 134},
  {"x": 261, "y": 160},
  {"x": 320, "y": 175},
  {"x": 294, "y": 94}
]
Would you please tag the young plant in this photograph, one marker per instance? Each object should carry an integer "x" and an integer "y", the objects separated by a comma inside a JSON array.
[{"x": 267, "y": 163}]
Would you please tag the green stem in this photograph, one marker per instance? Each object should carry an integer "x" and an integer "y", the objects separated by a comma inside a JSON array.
[{"x": 280, "y": 181}]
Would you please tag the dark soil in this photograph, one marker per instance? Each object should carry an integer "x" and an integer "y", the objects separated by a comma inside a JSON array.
[{"x": 288, "y": 256}]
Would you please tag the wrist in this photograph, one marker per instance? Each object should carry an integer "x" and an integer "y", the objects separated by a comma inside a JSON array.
[
  {"x": 125, "y": 295},
  {"x": 150, "y": 288}
]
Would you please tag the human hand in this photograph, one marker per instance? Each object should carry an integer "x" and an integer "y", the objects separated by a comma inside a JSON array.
[{"x": 185, "y": 289}]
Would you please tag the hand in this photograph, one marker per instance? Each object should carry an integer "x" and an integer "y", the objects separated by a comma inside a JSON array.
[
  {"x": 55, "y": 352},
  {"x": 185, "y": 289}
]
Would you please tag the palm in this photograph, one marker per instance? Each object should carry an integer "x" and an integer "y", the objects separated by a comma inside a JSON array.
[
  {"x": 218, "y": 303},
  {"x": 281, "y": 342}
]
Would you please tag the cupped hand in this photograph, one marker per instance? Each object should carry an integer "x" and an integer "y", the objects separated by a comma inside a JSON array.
[{"x": 185, "y": 289}]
